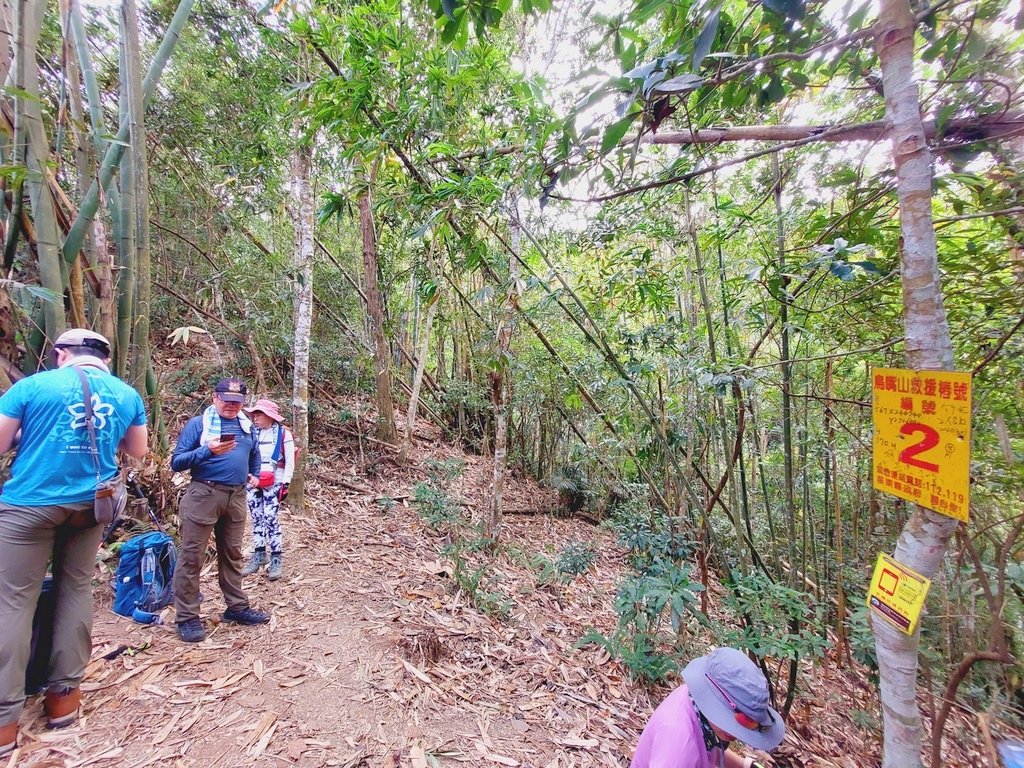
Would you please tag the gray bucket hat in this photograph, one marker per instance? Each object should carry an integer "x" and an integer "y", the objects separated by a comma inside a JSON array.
[{"x": 730, "y": 691}]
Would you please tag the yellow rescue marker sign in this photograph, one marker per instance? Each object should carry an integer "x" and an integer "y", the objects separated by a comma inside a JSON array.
[
  {"x": 897, "y": 593},
  {"x": 922, "y": 437}
]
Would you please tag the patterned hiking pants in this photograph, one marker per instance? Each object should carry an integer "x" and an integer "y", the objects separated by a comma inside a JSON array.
[{"x": 264, "y": 508}]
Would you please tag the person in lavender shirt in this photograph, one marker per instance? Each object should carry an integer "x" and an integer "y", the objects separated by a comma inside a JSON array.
[{"x": 725, "y": 698}]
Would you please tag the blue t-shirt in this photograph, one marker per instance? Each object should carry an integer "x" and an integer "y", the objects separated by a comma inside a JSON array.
[
  {"x": 54, "y": 464},
  {"x": 231, "y": 468}
]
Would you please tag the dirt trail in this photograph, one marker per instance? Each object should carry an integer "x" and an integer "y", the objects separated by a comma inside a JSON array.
[
  {"x": 374, "y": 659},
  {"x": 371, "y": 658}
]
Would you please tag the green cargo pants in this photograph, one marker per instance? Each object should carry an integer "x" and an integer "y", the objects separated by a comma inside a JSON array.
[{"x": 29, "y": 536}]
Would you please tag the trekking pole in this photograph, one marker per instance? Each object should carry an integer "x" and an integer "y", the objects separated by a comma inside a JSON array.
[{"x": 133, "y": 482}]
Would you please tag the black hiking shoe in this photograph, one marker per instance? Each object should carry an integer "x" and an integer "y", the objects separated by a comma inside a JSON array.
[
  {"x": 247, "y": 615},
  {"x": 191, "y": 631}
]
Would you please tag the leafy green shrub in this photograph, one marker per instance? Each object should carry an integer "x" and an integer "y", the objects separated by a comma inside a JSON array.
[
  {"x": 657, "y": 597},
  {"x": 442, "y": 473},
  {"x": 435, "y": 506},
  {"x": 478, "y": 585},
  {"x": 576, "y": 558},
  {"x": 188, "y": 378},
  {"x": 860, "y": 636},
  {"x": 642, "y": 600},
  {"x": 574, "y": 490},
  {"x": 638, "y": 654},
  {"x": 771, "y": 610},
  {"x": 546, "y": 571},
  {"x": 648, "y": 543}
]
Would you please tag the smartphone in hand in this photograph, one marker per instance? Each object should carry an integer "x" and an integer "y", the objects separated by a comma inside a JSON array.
[{"x": 227, "y": 438}]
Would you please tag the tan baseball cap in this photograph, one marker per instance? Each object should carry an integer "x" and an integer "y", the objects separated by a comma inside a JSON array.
[{"x": 83, "y": 337}]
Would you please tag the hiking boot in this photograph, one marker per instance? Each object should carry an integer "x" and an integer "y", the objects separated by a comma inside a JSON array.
[
  {"x": 62, "y": 707},
  {"x": 246, "y": 615},
  {"x": 274, "y": 569},
  {"x": 8, "y": 738},
  {"x": 191, "y": 631},
  {"x": 257, "y": 561}
]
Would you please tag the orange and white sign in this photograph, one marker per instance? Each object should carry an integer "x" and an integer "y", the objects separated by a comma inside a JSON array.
[{"x": 922, "y": 437}]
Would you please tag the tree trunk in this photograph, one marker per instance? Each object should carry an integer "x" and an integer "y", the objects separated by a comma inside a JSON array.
[
  {"x": 925, "y": 537},
  {"x": 375, "y": 308},
  {"x": 423, "y": 337},
  {"x": 718, "y": 403},
  {"x": 302, "y": 262},
  {"x": 499, "y": 396}
]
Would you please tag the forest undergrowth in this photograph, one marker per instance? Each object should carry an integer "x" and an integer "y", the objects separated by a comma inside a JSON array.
[{"x": 401, "y": 637}]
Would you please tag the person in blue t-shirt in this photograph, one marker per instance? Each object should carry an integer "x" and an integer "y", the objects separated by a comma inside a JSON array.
[
  {"x": 46, "y": 511},
  {"x": 219, "y": 448}
]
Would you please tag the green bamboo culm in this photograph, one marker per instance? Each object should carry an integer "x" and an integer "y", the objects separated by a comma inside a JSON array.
[{"x": 112, "y": 158}]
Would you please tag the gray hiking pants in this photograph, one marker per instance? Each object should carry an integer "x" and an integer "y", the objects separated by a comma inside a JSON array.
[{"x": 29, "y": 536}]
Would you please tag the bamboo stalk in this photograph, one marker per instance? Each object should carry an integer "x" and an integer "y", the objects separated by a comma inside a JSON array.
[
  {"x": 112, "y": 158},
  {"x": 28, "y": 21},
  {"x": 142, "y": 299}
]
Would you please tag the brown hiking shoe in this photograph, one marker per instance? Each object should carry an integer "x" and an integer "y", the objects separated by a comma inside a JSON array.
[
  {"x": 8, "y": 738},
  {"x": 62, "y": 707}
]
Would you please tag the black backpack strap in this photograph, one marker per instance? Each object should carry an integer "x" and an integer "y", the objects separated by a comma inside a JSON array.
[{"x": 87, "y": 395}]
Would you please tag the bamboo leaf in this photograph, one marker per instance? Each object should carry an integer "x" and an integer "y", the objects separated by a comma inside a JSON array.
[
  {"x": 790, "y": 9},
  {"x": 702, "y": 46},
  {"x": 679, "y": 84},
  {"x": 615, "y": 132},
  {"x": 45, "y": 294}
]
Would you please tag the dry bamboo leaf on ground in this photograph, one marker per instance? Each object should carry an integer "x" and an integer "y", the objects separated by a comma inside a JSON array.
[{"x": 165, "y": 731}]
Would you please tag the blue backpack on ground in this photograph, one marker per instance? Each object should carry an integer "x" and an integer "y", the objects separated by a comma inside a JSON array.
[{"x": 144, "y": 575}]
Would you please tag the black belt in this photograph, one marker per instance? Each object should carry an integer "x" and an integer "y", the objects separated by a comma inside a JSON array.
[{"x": 220, "y": 486}]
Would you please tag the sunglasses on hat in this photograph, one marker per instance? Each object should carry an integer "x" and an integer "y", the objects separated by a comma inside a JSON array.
[{"x": 740, "y": 716}]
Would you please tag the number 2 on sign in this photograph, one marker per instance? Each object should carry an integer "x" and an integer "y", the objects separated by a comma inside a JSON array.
[{"x": 929, "y": 439}]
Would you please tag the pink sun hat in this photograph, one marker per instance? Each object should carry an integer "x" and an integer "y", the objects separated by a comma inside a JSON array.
[{"x": 268, "y": 407}]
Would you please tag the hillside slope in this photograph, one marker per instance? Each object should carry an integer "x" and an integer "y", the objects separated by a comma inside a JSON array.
[{"x": 376, "y": 656}]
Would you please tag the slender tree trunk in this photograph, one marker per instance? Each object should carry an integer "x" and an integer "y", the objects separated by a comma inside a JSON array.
[
  {"x": 423, "y": 336},
  {"x": 8, "y": 45},
  {"x": 833, "y": 472},
  {"x": 386, "y": 430},
  {"x": 417, "y": 381},
  {"x": 302, "y": 262},
  {"x": 718, "y": 403},
  {"x": 12, "y": 62},
  {"x": 925, "y": 537},
  {"x": 498, "y": 376},
  {"x": 786, "y": 370}
]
